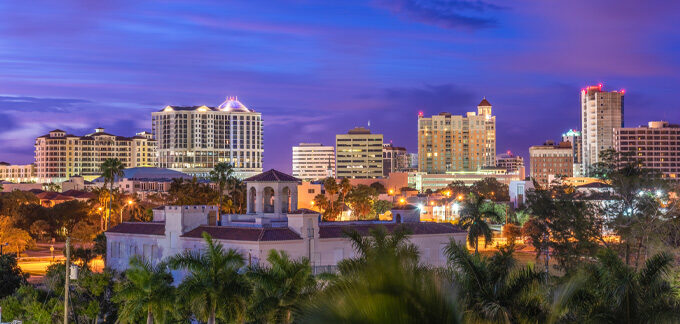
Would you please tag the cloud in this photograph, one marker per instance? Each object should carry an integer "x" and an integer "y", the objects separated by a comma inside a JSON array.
[
  {"x": 428, "y": 98},
  {"x": 465, "y": 14}
]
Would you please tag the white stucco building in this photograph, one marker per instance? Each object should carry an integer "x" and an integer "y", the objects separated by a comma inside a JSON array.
[{"x": 276, "y": 224}]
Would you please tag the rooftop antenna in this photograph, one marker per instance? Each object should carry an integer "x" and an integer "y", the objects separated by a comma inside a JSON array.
[{"x": 369, "y": 123}]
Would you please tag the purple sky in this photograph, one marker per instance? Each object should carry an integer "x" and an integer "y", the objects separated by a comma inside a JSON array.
[{"x": 317, "y": 68}]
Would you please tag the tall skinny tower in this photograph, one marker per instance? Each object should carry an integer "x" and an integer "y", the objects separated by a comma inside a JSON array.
[{"x": 601, "y": 112}]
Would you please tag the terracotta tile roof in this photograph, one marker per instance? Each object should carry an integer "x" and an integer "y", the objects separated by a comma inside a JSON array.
[
  {"x": 150, "y": 228},
  {"x": 78, "y": 194},
  {"x": 423, "y": 228},
  {"x": 51, "y": 195},
  {"x": 233, "y": 233},
  {"x": 272, "y": 176},
  {"x": 484, "y": 103}
]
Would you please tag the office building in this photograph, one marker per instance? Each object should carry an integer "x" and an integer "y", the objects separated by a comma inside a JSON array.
[
  {"x": 313, "y": 161},
  {"x": 194, "y": 139},
  {"x": 512, "y": 163},
  {"x": 457, "y": 143},
  {"x": 359, "y": 154},
  {"x": 17, "y": 173},
  {"x": 59, "y": 156},
  {"x": 656, "y": 146},
  {"x": 601, "y": 112},
  {"x": 395, "y": 159},
  {"x": 550, "y": 161},
  {"x": 574, "y": 137}
]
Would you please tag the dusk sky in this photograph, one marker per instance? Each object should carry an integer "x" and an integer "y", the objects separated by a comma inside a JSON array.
[{"x": 318, "y": 68}]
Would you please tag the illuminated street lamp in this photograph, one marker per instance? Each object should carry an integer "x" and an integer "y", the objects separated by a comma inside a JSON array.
[
  {"x": 402, "y": 201},
  {"x": 129, "y": 203}
]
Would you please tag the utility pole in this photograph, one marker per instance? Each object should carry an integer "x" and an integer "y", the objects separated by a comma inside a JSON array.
[{"x": 68, "y": 278}]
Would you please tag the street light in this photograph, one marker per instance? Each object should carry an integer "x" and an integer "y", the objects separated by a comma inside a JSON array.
[
  {"x": 129, "y": 203},
  {"x": 3, "y": 245}
]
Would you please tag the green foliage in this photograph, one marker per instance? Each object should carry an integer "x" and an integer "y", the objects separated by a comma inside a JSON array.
[
  {"x": 146, "y": 292},
  {"x": 609, "y": 291},
  {"x": 378, "y": 187},
  {"x": 474, "y": 217},
  {"x": 384, "y": 284},
  {"x": 381, "y": 206},
  {"x": 570, "y": 228},
  {"x": 11, "y": 276},
  {"x": 31, "y": 305},
  {"x": 361, "y": 200},
  {"x": 214, "y": 287},
  {"x": 490, "y": 188},
  {"x": 18, "y": 240},
  {"x": 280, "y": 289},
  {"x": 191, "y": 192},
  {"x": 495, "y": 289}
]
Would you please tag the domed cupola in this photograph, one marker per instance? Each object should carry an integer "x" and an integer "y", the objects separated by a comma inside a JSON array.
[{"x": 232, "y": 104}]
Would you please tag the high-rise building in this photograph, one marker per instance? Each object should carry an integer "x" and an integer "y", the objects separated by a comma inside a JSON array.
[
  {"x": 194, "y": 139},
  {"x": 551, "y": 160},
  {"x": 359, "y": 154},
  {"x": 313, "y": 161},
  {"x": 601, "y": 112},
  {"x": 453, "y": 143},
  {"x": 656, "y": 145},
  {"x": 574, "y": 137},
  {"x": 395, "y": 159},
  {"x": 512, "y": 163},
  {"x": 413, "y": 161},
  {"x": 59, "y": 156},
  {"x": 17, "y": 173}
]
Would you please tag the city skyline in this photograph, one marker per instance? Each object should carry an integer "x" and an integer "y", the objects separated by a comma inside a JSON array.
[{"x": 313, "y": 72}]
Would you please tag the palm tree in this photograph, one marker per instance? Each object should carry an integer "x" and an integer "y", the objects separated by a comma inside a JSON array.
[
  {"x": 473, "y": 217},
  {"x": 494, "y": 289},
  {"x": 281, "y": 288},
  {"x": 222, "y": 173},
  {"x": 611, "y": 291},
  {"x": 378, "y": 243},
  {"x": 330, "y": 185},
  {"x": 345, "y": 187},
  {"x": 147, "y": 288},
  {"x": 385, "y": 284},
  {"x": 111, "y": 168},
  {"x": 213, "y": 280}
]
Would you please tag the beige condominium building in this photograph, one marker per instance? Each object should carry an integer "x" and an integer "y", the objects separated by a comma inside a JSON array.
[
  {"x": 17, "y": 173},
  {"x": 313, "y": 161},
  {"x": 457, "y": 143},
  {"x": 574, "y": 137},
  {"x": 359, "y": 154},
  {"x": 551, "y": 161},
  {"x": 656, "y": 145},
  {"x": 194, "y": 139},
  {"x": 512, "y": 163},
  {"x": 59, "y": 156},
  {"x": 601, "y": 112}
]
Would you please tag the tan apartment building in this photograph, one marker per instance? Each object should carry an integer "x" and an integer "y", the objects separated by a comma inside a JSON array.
[
  {"x": 359, "y": 154},
  {"x": 59, "y": 156},
  {"x": 17, "y": 173},
  {"x": 194, "y": 139},
  {"x": 313, "y": 161},
  {"x": 550, "y": 161},
  {"x": 512, "y": 163},
  {"x": 457, "y": 143},
  {"x": 656, "y": 145},
  {"x": 601, "y": 112}
]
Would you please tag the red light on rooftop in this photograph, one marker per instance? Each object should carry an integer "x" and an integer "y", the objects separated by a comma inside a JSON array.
[
  {"x": 599, "y": 85},
  {"x": 509, "y": 153},
  {"x": 623, "y": 91},
  {"x": 420, "y": 113}
]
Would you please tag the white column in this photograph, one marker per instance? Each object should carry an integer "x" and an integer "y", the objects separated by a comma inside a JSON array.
[{"x": 259, "y": 200}]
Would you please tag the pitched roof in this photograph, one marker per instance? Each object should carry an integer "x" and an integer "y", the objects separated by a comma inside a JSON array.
[
  {"x": 272, "y": 176},
  {"x": 234, "y": 233},
  {"x": 147, "y": 228},
  {"x": 149, "y": 173},
  {"x": 422, "y": 228},
  {"x": 51, "y": 195},
  {"x": 78, "y": 194},
  {"x": 484, "y": 103}
]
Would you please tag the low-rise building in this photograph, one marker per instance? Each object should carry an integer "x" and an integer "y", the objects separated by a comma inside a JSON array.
[
  {"x": 424, "y": 181},
  {"x": 511, "y": 162},
  {"x": 145, "y": 181},
  {"x": 17, "y": 173},
  {"x": 395, "y": 159}
]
